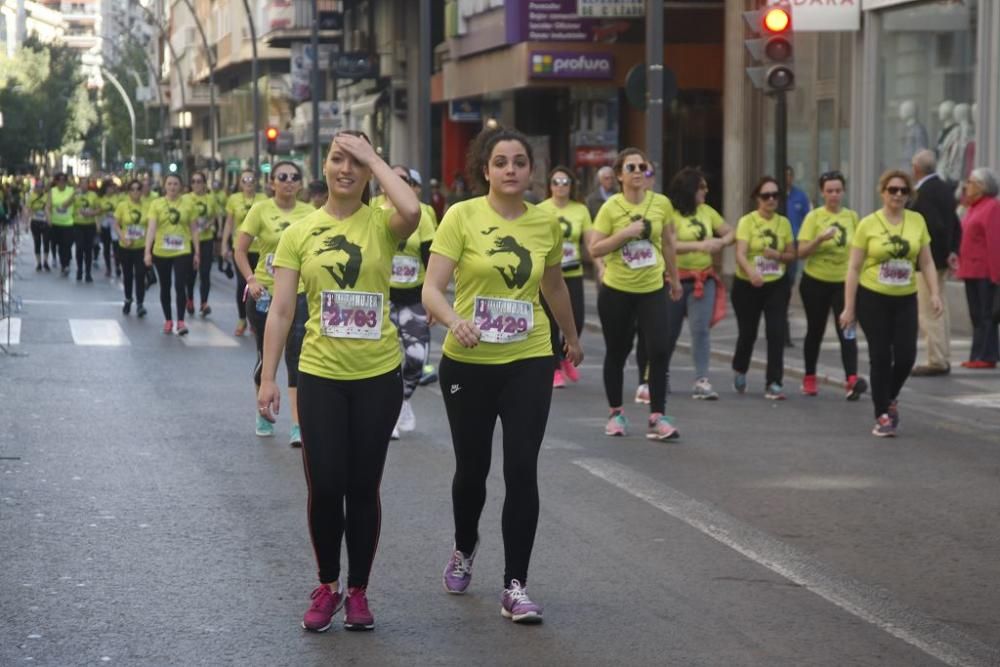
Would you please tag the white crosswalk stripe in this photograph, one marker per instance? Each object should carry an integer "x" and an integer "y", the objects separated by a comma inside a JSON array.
[
  {"x": 206, "y": 334},
  {"x": 106, "y": 333},
  {"x": 10, "y": 331}
]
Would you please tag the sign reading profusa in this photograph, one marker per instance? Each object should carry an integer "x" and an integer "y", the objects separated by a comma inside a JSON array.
[{"x": 571, "y": 65}]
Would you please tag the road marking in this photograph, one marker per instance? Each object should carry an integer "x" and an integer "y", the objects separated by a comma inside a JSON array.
[
  {"x": 45, "y": 302},
  {"x": 865, "y": 601},
  {"x": 98, "y": 332},
  {"x": 15, "y": 331},
  {"x": 820, "y": 483},
  {"x": 206, "y": 334},
  {"x": 979, "y": 400}
]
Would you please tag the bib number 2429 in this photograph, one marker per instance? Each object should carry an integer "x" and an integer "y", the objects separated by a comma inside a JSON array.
[{"x": 503, "y": 320}]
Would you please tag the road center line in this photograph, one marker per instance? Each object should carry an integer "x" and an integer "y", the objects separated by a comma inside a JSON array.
[{"x": 869, "y": 603}]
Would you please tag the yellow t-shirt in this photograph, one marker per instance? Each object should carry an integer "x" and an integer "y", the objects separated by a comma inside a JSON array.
[
  {"x": 133, "y": 222},
  {"x": 407, "y": 264},
  {"x": 173, "y": 227},
  {"x": 204, "y": 209},
  {"x": 499, "y": 270},
  {"x": 574, "y": 220},
  {"x": 36, "y": 204},
  {"x": 84, "y": 200},
  {"x": 759, "y": 234},
  {"x": 701, "y": 226},
  {"x": 238, "y": 206},
  {"x": 344, "y": 265},
  {"x": 891, "y": 252},
  {"x": 829, "y": 261},
  {"x": 637, "y": 266},
  {"x": 59, "y": 199},
  {"x": 266, "y": 223}
]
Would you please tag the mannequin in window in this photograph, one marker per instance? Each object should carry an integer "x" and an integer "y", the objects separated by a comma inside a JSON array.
[
  {"x": 952, "y": 160},
  {"x": 914, "y": 136},
  {"x": 946, "y": 113}
]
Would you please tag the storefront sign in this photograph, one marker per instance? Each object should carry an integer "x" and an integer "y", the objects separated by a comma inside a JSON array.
[
  {"x": 465, "y": 111},
  {"x": 611, "y": 8},
  {"x": 357, "y": 65},
  {"x": 826, "y": 15},
  {"x": 547, "y": 21},
  {"x": 571, "y": 65},
  {"x": 594, "y": 156}
]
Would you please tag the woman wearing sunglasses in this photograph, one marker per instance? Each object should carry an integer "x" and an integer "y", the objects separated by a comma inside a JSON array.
[
  {"x": 634, "y": 234},
  {"x": 59, "y": 210},
  {"x": 825, "y": 243},
  {"x": 880, "y": 292},
  {"x": 575, "y": 223},
  {"x": 237, "y": 207},
  {"x": 264, "y": 226},
  {"x": 764, "y": 246},
  {"x": 168, "y": 245},
  {"x": 350, "y": 388},
  {"x": 203, "y": 205},
  {"x": 130, "y": 227}
]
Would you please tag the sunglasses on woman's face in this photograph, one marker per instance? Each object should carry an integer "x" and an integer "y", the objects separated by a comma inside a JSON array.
[
  {"x": 896, "y": 190},
  {"x": 247, "y": 179},
  {"x": 286, "y": 176},
  {"x": 633, "y": 167},
  {"x": 767, "y": 196},
  {"x": 561, "y": 180}
]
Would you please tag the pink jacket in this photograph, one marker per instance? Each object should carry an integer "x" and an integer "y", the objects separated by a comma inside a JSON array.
[{"x": 979, "y": 254}]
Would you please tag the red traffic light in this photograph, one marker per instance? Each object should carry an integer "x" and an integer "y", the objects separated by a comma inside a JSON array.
[
  {"x": 777, "y": 20},
  {"x": 271, "y": 133}
]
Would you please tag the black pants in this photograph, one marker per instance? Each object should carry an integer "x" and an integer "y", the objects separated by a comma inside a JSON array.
[
  {"x": 110, "y": 251},
  {"x": 749, "y": 302},
  {"x": 204, "y": 272},
  {"x": 820, "y": 298},
  {"x": 180, "y": 268},
  {"x": 83, "y": 237},
  {"x": 62, "y": 236},
  {"x": 519, "y": 393},
  {"x": 346, "y": 426},
  {"x": 979, "y": 292},
  {"x": 134, "y": 272},
  {"x": 41, "y": 232},
  {"x": 575, "y": 287},
  {"x": 620, "y": 313},
  {"x": 890, "y": 325},
  {"x": 241, "y": 285},
  {"x": 293, "y": 344}
]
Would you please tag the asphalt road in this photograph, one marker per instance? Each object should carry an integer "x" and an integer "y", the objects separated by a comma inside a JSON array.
[{"x": 143, "y": 523}]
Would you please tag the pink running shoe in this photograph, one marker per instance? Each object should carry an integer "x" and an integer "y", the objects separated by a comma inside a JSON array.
[
  {"x": 168, "y": 326},
  {"x": 558, "y": 382},
  {"x": 517, "y": 606},
  {"x": 357, "y": 615},
  {"x": 569, "y": 371},
  {"x": 325, "y": 603}
]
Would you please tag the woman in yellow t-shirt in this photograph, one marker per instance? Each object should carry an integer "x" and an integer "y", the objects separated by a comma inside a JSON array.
[
  {"x": 634, "y": 235},
  {"x": 825, "y": 243},
  {"x": 350, "y": 388},
  {"x": 237, "y": 207},
  {"x": 497, "y": 363},
  {"x": 764, "y": 247},
  {"x": 701, "y": 236},
  {"x": 41, "y": 229},
  {"x": 84, "y": 229},
  {"x": 105, "y": 205},
  {"x": 577, "y": 230},
  {"x": 203, "y": 205},
  {"x": 59, "y": 210},
  {"x": 168, "y": 246},
  {"x": 881, "y": 292},
  {"x": 130, "y": 228}
]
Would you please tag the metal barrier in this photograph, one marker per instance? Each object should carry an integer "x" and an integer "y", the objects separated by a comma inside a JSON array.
[{"x": 10, "y": 303}]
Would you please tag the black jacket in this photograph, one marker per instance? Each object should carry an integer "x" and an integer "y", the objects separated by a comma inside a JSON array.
[{"x": 935, "y": 200}]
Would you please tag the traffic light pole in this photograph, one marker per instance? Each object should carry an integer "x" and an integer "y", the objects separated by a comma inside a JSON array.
[
  {"x": 423, "y": 101},
  {"x": 254, "y": 75},
  {"x": 781, "y": 146},
  {"x": 314, "y": 88},
  {"x": 654, "y": 86}
]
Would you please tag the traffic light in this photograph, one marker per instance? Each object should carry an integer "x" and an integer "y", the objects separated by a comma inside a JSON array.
[
  {"x": 129, "y": 165},
  {"x": 771, "y": 45},
  {"x": 271, "y": 134},
  {"x": 172, "y": 167}
]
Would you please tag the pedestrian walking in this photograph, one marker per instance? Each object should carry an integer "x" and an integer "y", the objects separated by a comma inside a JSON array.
[
  {"x": 701, "y": 236},
  {"x": 880, "y": 292},
  {"x": 237, "y": 207},
  {"x": 85, "y": 213},
  {"x": 605, "y": 185},
  {"x": 204, "y": 207},
  {"x": 634, "y": 235},
  {"x": 60, "y": 213},
  {"x": 350, "y": 388},
  {"x": 107, "y": 200},
  {"x": 129, "y": 225},
  {"x": 41, "y": 228},
  {"x": 764, "y": 248},
  {"x": 825, "y": 243},
  {"x": 797, "y": 206},
  {"x": 264, "y": 225},
  {"x": 497, "y": 361},
  {"x": 577, "y": 233},
  {"x": 169, "y": 234},
  {"x": 979, "y": 265}
]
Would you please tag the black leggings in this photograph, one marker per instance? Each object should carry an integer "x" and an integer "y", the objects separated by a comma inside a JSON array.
[
  {"x": 820, "y": 298},
  {"x": 519, "y": 393},
  {"x": 293, "y": 344},
  {"x": 180, "y": 267},
  {"x": 620, "y": 312},
  {"x": 346, "y": 426},
  {"x": 110, "y": 250},
  {"x": 83, "y": 236},
  {"x": 241, "y": 285},
  {"x": 62, "y": 236},
  {"x": 41, "y": 232},
  {"x": 204, "y": 273},
  {"x": 749, "y": 302},
  {"x": 890, "y": 326},
  {"x": 575, "y": 287},
  {"x": 134, "y": 271}
]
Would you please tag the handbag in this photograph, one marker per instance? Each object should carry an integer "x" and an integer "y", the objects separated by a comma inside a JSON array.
[{"x": 150, "y": 277}]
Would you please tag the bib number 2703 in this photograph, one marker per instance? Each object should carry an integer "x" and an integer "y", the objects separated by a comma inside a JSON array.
[{"x": 351, "y": 315}]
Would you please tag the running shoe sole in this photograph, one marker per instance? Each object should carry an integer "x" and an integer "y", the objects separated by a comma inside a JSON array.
[
  {"x": 673, "y": 436},
  {"x": 705, "y": 397},
  {"x": 860, "y": 387},
  {"x": 879, "y": 434},
  {"x": 531, "y": 618},
  {"x": 358, "y": 627}
]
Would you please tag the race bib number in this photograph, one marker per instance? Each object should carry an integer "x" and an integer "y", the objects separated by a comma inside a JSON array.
[
  {"x": 895, "y": 272},
  {"x": 639, "y": 254},
  {"x": 269, "y": 263},
  {"x": 767, "y": 267},
  {"x": 571, "y": 255},
  {"x": 134, "y": 232},
  {"x": 405, "y": 269},
  {"x": 503, "y": 320},
  {"x": 351, "y": 315},
  {"x": 173, "y": 242},
  {"x": 201, "y": 224}
]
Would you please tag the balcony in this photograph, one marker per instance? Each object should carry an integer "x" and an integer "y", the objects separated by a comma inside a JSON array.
[{"x": 287, "y": 21}]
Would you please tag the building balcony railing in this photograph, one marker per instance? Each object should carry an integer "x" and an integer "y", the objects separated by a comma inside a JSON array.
[{"x": 288, "y": 21}]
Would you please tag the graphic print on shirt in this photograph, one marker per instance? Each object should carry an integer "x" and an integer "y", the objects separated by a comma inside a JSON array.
[
  {"x": 173, "y": 216},
  {"x": 699, "y": 227},
  {"x": 840, "y": 238},
  {"x": 487, "y": 232},
  {"x": 515, "y": 276},
  {"x": 134, "y": 216},
  {"x": 567, "y": 227},
  {"x": 647, "y": 226},
  {"x": 899, "y": 248},
  {"x": 350, "y": 271}
]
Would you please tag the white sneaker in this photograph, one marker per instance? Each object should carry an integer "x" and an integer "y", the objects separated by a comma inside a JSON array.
[
  {"x": 407, "y": 421},
  {"x": 395, "y": 433}
]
